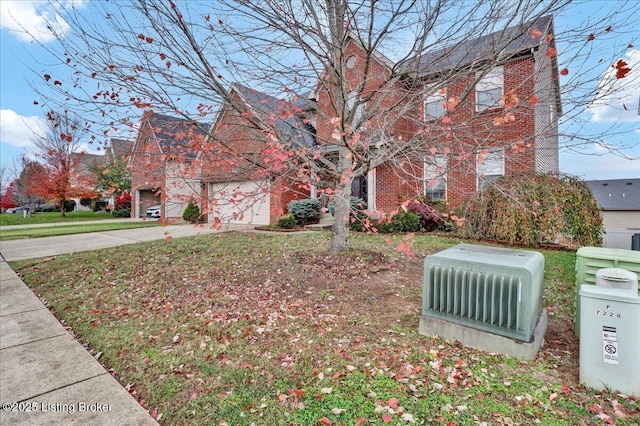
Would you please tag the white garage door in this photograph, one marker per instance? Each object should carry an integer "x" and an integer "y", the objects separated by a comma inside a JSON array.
[{"x": 245, "y": 202}]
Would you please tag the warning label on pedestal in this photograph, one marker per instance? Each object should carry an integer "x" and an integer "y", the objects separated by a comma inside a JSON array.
[{"x": 609, "y": 345}]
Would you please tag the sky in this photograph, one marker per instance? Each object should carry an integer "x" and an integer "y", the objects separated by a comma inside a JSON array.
[{"x": 22, "y": 61}]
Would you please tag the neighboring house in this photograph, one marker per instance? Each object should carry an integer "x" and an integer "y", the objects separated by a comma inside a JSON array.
[
  {"x": 237, "y": 175},
  {"x": 84, "y": 165},
  {"x": 619, "y": 200},
  {"x": 118, "y": 150},
  {"x": 173, "y": 161},
  {"x": 163, "y": 166},
  {"x": 82, "y": 177}
]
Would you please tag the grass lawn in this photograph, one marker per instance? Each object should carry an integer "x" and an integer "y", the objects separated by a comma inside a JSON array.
[
  {"x": 245, "y": 328},
  {"x": 51, "y": 217},
  {"x": 51, "y": 231}
]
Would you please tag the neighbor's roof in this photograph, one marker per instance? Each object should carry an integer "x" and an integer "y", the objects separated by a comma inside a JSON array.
[
  {"x": 119, "y": 148},
  {"x": 616, "y": 194},
  {"x": 499, "y": 45},
  {"x": 287, "y": 118},
  {"x": 174, "y": 135}
]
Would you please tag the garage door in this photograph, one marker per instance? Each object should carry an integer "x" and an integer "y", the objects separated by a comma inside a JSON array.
[{"x": 245, "y": 202}]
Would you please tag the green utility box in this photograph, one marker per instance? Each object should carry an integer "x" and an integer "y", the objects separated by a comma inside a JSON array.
[
  {"x": 610, "y": 336},
  {"x": 590, "y": 259}
]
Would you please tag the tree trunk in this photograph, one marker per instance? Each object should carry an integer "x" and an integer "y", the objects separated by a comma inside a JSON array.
[{"x": 342, "y": 207}]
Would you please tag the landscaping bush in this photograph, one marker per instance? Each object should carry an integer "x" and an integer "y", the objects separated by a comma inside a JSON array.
[
  {"x": 400, "y": 222},
  {"x": 304, "y": 210},
  {"x": 69, "y": 205},
  {"x": 192, "y": 212},
  {"x": 533, "y": 209},
  {"x": 430, "y": 217},
  {"x": 123, "y": 201},
  {"x": 98, "y": 206},
  {"x": 287, "y": 221},
  {"x": 360, "y": 222},
  {"x": 121, "y": 213},
  {"x": 86, "y": 202},
  {"x": 358, "y": 205}
]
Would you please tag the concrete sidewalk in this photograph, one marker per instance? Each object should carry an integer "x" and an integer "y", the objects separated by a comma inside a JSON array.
[{"x": 46, "y": 376}]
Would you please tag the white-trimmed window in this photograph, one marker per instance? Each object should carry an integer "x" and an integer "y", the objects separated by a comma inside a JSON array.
[
  {"x": 435, "y": 177},
  {"x": 434, "y": 106},
  {"x": 490, "y": 89},
  {"x": 489, "y": 167}
]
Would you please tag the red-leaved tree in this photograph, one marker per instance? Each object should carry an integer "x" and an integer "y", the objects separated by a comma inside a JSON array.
[
  {"x": 8, "y": 199},
  {"x": 56, "y": 148}
]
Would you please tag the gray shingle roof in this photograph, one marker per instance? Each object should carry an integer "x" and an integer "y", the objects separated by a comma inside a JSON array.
[
  {"x": 119, "y": 148},
  {"x": 499, "y": 46},
  {"x": 175, "y": 135},
  {"x": 616, "y": 194},
  {"x": 287, "y": 118}
]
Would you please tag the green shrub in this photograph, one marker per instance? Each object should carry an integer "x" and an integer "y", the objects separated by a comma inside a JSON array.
[
  {"x": 304, "y": 210},
  {"x": 121, "y": 213},
  {"x": 192, "y": 212},
  {"x": 533, "y": 209},
  {"x": 357, "y": 205},
  {"x": 360, "y": 222},
  {"x": 98, "y": 206},
  {"x": 400, "y": 222},
  {"x": 287, "y": 221}
]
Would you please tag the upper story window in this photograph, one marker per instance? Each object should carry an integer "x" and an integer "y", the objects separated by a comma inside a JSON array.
[
  {"x": 489, "y": 167},
  {"x": 434, "y": 106},
  {"x": 490, "y": 89},
  {"x": 435, "y": 177}
]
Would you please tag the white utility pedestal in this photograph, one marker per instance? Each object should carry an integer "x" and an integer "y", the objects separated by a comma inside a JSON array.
[{"x": 610, "y": 332}]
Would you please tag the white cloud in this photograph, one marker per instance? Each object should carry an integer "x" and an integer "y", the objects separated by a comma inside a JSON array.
[
  {"x": 617, "y": 99},
  {"x": 18, "y": 130},
  {"x": 38, "y": 20},
  {"x": 598, "y": 167}
]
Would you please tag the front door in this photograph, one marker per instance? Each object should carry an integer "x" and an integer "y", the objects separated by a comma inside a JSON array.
[{"x": 359, "y": 188}]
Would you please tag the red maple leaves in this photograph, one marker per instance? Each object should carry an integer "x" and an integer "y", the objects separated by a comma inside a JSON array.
[{"x": 622, "y": 69}]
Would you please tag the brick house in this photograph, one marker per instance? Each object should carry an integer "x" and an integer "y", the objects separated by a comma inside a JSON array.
[
  {"x": 453, "y": 169},
  {"x": 237, "y": 179},
  {"x": 163, "y": 164},
  {"x": 230, "y": 170}
]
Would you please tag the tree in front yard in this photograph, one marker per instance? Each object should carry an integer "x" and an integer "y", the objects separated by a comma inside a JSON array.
[
  {"x": 112, "y": 177},
  {"x": 33, "y": 177},
  {"x": 8, "y": 197},
  {"x": 181, "y": 58},
  {"x": 55, "y": 146}
]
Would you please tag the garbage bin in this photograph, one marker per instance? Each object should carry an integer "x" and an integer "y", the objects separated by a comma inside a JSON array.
[{"x": 610, "y": 332}]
